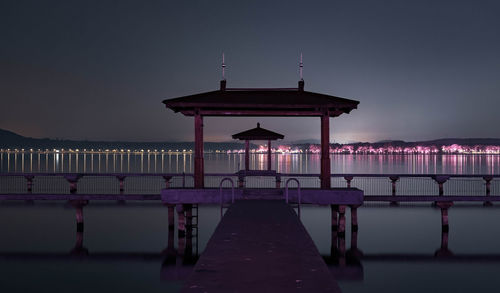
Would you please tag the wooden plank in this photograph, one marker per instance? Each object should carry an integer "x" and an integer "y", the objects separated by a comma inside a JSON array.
[{"x": 260, "y": 246}]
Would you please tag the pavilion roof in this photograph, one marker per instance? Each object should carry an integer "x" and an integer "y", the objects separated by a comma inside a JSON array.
[
  {"x": 258, "y": 133},
  {"x": 261, "y": 102}
]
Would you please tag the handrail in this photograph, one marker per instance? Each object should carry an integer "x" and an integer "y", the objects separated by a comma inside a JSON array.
[
  {"x": 298, "y": 191},
  {"x": 489, "y": 181},
  {"x": 220, "y": 192},
  {"x": 235, "y": 174},
  {"x": 112, "y": 174}
]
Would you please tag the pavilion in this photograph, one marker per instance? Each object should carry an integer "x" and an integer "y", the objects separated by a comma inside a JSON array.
[
  {"x": 257, "y": 133},
  {"x": 274, "y": 102}
]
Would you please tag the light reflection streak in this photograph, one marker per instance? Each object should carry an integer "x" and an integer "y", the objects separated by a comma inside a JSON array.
[{"x": 232, "y": 162}]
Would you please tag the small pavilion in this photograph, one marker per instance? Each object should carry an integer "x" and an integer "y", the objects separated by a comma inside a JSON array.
[
  {"x": 257, "y": 102},
  {"x": 257, "y": 133}
]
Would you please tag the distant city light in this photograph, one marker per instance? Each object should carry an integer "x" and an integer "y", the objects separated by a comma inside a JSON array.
[{"x": 311, "y": 149}]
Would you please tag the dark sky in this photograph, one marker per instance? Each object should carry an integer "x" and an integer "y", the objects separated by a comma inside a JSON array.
[{"x": 99, "y": 70}]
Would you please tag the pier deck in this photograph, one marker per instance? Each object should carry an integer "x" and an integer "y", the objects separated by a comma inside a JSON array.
[{"x": 260, "y": 246}]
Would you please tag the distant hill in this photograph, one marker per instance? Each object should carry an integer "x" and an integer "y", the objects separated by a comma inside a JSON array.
[
  {"x": 9, "y": 139},
  {"x": 436, "y": 142}
]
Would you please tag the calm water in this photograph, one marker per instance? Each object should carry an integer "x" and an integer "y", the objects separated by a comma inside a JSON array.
[
  {"x": 226, "y": 163},
  {"x": 124, "y": 243}
]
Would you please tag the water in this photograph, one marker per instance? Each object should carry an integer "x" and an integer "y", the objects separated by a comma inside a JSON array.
[
  {"x": 116, "y": 162},
  {"x": 123, "y": 245}
]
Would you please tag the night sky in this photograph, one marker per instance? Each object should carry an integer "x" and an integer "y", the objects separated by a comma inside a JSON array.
[{"x": 99, "y": 70}]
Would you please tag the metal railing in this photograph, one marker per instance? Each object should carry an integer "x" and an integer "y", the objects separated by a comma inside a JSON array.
[
  {"x": 92, "y": 183},
  {"x": 153, "y": 183}
]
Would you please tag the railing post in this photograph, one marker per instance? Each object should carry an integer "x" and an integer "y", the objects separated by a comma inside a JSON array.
[
  {"x": 348, "y": 179},
  {"x": 241, "y": 180},
  {"x": 394, "y": 179},
  {"x": 488, "y": 179},
  {"x": 167, "y": 181},
  {"x": 440, "y": 180},
  {"x": 121, "y": 178},
  {"x": 278, "y": 181},
  {"x": 73, "y": 180},
  {"x": 29, "y": 181}
]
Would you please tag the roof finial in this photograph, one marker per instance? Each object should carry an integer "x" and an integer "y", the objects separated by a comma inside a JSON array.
[
  {"x": 223, "y": 80},
  {"x": 300, "y": 67},
  {"x": 301, "y": 81},
  {"x": 258, "y": 125},
  {"x": 223, "y": 68}
]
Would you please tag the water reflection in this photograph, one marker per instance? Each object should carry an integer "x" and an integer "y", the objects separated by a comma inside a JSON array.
[
  {"x": 177, "y": 259},
  {"x": 178, "y": 162}
]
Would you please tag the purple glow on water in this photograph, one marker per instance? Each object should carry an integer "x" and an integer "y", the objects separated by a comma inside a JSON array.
[{"x": 303, "y": 163}]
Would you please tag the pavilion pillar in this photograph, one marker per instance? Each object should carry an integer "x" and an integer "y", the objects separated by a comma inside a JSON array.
[
  {"x": 198, "y": 151},
  {"x": 247, "y": 155},
  {"x": 269, "y": 155},
  {"x": 325, "y": 152}
]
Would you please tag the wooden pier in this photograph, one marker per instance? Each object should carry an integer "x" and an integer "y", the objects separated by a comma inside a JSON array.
[{"x": 260, "y": 246}]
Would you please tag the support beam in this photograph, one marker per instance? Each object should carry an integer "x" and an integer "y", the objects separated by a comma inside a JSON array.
[
  {"x": 325, "y": 152},
  {"x": 335, "y": 213},
  {"x": 444, "y": 206},
  {"x": 354, "y": 217},
  {"x": 78, "y": 205},
  {"x": 79, "y": 218},
  {"x": 198, "y": 151},
  {"x": 269, "y": 155},
  {"x": 181, "y": 230},
  {"x": 341, "y": 224},
  {"x": 247, "y": 155},
  {"x": 171, "y": 217}
]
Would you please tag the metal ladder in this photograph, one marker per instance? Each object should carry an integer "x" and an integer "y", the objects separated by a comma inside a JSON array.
[
  {"x": 298, "y": 191},
  {"x": 220, "y": 194},
  {"x": 194, "y": 227}
]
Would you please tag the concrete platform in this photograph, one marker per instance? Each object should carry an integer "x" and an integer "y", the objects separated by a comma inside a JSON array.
[
  {"x": 260, "y": 246},
  {"x": 343, "y": 196}
]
